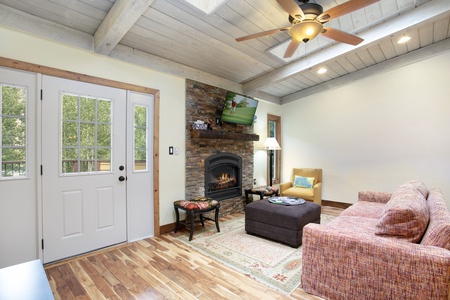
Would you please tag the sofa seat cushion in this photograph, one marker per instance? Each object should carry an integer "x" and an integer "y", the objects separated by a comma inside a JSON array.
[
  {"x": 299, "y": 192},
  {"x": 406, "y": 215},
  {"x": 438, "y": 231},
  {"x": 365, "y": 209}
]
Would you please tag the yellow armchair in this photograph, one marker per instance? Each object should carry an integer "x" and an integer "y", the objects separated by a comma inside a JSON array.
[{"x": 313, "y": 194}]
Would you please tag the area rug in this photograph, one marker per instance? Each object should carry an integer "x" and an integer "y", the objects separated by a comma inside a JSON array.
[{"x": 274, "y": 264}]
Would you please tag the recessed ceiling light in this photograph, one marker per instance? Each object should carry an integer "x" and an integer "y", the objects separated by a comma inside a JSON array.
[
  {"x": 403, "y": 39},
  {"x": 321, "y": 71}
]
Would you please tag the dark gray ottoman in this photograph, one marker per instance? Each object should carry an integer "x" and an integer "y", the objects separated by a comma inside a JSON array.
[{"x": 279, "y": 222}]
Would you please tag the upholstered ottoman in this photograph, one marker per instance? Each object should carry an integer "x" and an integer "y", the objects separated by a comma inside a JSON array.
[{"x": 279, "y": 222}]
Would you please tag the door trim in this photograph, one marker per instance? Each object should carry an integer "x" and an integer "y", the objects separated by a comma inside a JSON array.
[{"x": 39, "y": 69}]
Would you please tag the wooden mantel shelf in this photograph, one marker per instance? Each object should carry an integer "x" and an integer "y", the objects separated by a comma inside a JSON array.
[{"x": 224, "y": 135}]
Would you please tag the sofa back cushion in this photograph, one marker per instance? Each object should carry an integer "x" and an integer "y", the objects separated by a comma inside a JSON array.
[
  {"x": 406, "y": 215},
  {"x": 438, "y": 231}
]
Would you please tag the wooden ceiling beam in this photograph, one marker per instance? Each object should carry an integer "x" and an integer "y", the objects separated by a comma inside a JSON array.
[{"x": 117, "y": 22}]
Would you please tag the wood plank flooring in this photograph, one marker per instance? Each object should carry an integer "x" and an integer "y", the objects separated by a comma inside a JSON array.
[{"x": 157, "y": 268}]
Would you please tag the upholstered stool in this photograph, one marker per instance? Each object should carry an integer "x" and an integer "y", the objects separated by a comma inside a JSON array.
[
  {"x": 280, "y": 223},
  {"x": 262, "y": 191},
  {"x": 196, "y": 206}
]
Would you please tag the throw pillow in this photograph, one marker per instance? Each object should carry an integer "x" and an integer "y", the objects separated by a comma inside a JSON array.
[
  {"x": 406, "y": 215},
  {"x": 438, "y": 231},
  {"x": 420, "y": 186},
  {"x": 304, "y": 182}
]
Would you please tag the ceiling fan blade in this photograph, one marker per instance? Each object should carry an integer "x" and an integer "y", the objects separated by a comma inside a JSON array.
[
  {"x": 341, "y": 36},
  {"x": 343, "y": 9},
  {"x": 293, "y": 45},
  {"x": 260, "y": 34},
  {"x": 292, "y": 8}
]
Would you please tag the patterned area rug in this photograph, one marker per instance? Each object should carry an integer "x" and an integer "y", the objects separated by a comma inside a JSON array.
[{"x": 274, "y": 264}]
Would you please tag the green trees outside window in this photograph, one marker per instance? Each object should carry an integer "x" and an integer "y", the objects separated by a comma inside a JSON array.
[
  {"x": 86, "y": 134},
  {"x": 140, "y": 138},
  {"x": 13, "y": 131}
]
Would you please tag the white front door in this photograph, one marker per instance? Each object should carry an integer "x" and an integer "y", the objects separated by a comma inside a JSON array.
[{"x": 84, "y": 174}]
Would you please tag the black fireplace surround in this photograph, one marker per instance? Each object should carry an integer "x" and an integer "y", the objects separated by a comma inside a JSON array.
[{"x": 223, "y": 176}]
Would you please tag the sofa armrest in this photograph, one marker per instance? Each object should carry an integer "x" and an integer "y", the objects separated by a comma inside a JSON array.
[
  {"x": 284, "y": 186},
  {"x": 372, "y": 196},
  {"x": 339, "y": 264}
]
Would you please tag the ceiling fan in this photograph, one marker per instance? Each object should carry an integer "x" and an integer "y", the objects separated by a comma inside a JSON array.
[{"x": 307, "y": 21}]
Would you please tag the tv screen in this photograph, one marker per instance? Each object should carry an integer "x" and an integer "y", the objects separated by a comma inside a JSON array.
[{"x": 239, "y": 109}]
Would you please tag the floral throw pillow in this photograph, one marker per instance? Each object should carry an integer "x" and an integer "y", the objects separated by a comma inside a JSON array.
[{"x": 304, "y": 182}]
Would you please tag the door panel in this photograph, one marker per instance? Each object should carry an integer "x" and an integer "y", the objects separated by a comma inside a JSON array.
[
  {"x": 140, "y": 166},
  {"x": 18, "y": 178},
  {"x": 84, "y": 139}
]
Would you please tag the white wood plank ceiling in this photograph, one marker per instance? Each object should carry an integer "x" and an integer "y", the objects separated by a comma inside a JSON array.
[{"x": 175, "y": 37}]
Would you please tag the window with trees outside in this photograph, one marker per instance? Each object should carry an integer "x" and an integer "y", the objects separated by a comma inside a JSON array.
[
  {"x": 274, "y": 130},
  {"x": 86, "y": 134},
  {"x": 13, "y": 131},
  {"x": 140, "y": 138}
]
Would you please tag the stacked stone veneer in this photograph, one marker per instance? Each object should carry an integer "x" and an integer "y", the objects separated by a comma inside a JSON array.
[{"x": 204, "y": 102}]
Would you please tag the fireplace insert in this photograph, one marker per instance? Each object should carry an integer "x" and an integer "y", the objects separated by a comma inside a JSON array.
[{"x": 223, "y": 176}]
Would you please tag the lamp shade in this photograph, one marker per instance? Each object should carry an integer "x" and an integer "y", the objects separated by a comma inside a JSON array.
[
  {"x": 271, "y": 144},
  {"x": 306, "y": 30}
]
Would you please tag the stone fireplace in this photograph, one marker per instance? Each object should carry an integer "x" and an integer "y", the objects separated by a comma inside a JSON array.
[
  {"x": 205, "y": 102},
  {"x": 223, "y": 172}
]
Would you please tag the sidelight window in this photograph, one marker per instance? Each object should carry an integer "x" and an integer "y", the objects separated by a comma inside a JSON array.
[
  {"x": 140, "y": 138},
  {"x": 13, "y": 137}
]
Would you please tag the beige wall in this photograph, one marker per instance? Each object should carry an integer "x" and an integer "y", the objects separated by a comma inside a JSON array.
[
  {"x": 24, "y": 47},
  {"x": 375, "y": 133}
]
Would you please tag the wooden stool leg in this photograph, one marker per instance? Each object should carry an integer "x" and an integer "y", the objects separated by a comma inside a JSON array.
[
  {"x": 178, "y": 219},
  {"x": 216, "y": 218},
  {"x": 201, "y": 220},
  {"x": 191, "y": 212}
]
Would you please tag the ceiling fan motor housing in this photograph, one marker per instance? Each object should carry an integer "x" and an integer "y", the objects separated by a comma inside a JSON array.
[{"x": 310, "y": 10}]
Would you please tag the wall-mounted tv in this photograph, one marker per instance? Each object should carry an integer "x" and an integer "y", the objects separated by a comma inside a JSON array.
[{"x": 239, "y": 109}]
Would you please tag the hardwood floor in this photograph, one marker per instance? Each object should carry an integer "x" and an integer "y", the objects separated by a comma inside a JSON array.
[{"x": 157, "y": 268}]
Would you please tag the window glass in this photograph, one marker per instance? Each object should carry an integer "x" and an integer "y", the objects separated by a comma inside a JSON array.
[
  {"x": 13, "y": 131},
  {"x": 86, "y": 134},
  {"x": 140, "y": 138}
]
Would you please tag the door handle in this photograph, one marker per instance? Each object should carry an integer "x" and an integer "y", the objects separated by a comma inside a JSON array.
[{"x": 121, "y": 178}]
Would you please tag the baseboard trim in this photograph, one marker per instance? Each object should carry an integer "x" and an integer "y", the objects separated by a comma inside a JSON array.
[
  {"x": 336, "y": 204},
  {"x": 168, "y": 228}
]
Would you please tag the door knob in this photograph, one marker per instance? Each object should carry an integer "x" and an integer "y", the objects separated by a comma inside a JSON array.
[
  {"x": 121, "y": 178},
  {"x": 121, "y": 168}
]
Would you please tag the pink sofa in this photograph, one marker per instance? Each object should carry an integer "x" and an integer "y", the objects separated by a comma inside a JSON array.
[{"x": 385, "y": 246}]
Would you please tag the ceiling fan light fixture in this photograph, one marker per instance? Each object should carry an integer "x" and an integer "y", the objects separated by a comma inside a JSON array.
[{"x": 306, "y": 30}]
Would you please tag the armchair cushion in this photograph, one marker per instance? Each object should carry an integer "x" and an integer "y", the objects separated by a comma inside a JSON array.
[{"x": 304, "y": 182}]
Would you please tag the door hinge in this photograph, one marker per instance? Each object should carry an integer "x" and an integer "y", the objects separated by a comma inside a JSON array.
[
  {"x": 42, "y": 94},
  {"x": 42, "y": 170},
  {"x": 42, "y": 244}
]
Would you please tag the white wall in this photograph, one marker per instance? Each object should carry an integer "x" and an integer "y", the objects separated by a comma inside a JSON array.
[
  {"x": 375, "y": 133},
  {"x": 24, "y": 47},
  {"x": 260, "y": 128}
]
